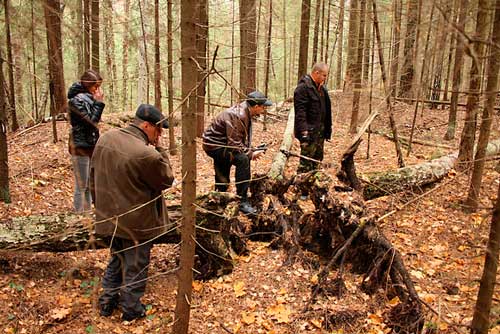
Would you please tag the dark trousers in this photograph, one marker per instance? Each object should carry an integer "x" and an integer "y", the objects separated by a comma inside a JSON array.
[
  {"x": 125, "y": 277},
  {"x": 312, "y": 150},
  {"x": 224, "y": 158}
]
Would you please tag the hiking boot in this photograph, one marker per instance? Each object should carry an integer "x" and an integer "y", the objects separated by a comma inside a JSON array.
[
  {"x": 129, "y": 316},
  {"x": 106, "y": 310},
  {"x": 247, "y": 208}
]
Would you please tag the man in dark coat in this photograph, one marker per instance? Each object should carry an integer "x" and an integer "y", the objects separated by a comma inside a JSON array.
[
  {"x": 228, "y": 140},
  {"x": 313, "y": 116},
  {"x": 129, "y": 170}
]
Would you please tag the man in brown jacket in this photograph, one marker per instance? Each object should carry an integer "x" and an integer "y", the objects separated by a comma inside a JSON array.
[
  {"x": 129, "y": 170},
  {"x": 228, "y": 140}
]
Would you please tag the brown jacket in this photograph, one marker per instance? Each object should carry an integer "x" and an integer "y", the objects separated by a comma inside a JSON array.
[
  {"x": 126, "y": 175},
  {"x": 232, "y": 128}
]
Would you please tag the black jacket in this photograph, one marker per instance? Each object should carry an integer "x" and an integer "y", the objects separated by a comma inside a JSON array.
[
  {"x": 84, "y": 114},
  {"x": 308, "y": 113}
]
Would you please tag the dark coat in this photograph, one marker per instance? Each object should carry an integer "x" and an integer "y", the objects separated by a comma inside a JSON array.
[
  {"x": 308, "y": 114},
  {"x": 84, "y": 114},
  {"x": 126, "y": 176},
  {"x": 232, "y": 128}
]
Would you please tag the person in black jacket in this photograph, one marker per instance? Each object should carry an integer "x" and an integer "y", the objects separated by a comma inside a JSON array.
[
  {"x": 85, "y": 105},
  {"x": 313, "y": 116}
]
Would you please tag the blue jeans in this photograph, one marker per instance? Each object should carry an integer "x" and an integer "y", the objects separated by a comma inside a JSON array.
[{"x": 81, "y": 169}]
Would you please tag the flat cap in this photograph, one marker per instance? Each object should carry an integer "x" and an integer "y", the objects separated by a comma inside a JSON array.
[
  {"x": 257, "y": 97},
  {"x": 151, "y": 114}
]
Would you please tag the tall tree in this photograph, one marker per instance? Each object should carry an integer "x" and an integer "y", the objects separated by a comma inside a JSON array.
[
  {"x": 78, "y": 39},
  {"x": 10, "y": 60},
  {"x": 304, "y": 38},
  {"x": 4, "y": 157},
  {"x": 170, "y": 80},
  {"x": 352, "y": 41},
  {"x": 143, "y": 86},
  {"x": 285, "y": 53},
  {"x": 33, "y": 62},
  {"x": 109, "y": 37},
  {"x": 408, "y": 69},
  {"x": 126, "y": 44},
  {"x": 189, "y": 16},
  {"x": 396, "y": 42},
  {"x": 201, "y": 49},
  {"x": 340, "y": 31},
  {"x": 95, "y": 35},
  {"x": 86, "y": 33},
  {"x": 366, "y": 42},
  {"x": 316, "y": 31},
  {"x": 157, "y": 56},
  {"x": 248, "y": 46},
  {"x": 440, "y": 53},
  {"x": 356, "y": 71},
  {"x": 58, "y": 103},
  {"x": 468, "y": 136},
  {"x": 457, "y": 71},
  {"x": 480, "y": 322},
  {"x": 490, "y": 94}
]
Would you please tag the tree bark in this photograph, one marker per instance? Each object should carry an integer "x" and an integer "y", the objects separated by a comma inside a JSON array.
[
  {"x": 457, "y": 71},
  {"x": 126, "y": 42},
  {"x": 12, "y": 90},
  {"x": 96, "y": 58},
  {"x": 58, "y": 103},
  {"x": 351, "y": 43},
  {"x": 86, "y": 33},
  {"x": 304, "y": 38},
  {"x": 356, "y": 70},
  {"x": 185, "y": 276},
  {"x": 396, "y": 42},
  {"x": 143, "y": 85},
  {"x": 480, "y": 322},
  {"x": 170, "y": 80},
  {"x": 4, "y": 157},
  {"x": 202, "y": 58},
  {"x": 468, "y": 136},
  {"x": 408, "y": 69},
  {"x": 109, "y": 37},
  {"x": 472, "y": 201},
  {"x": 316, "y": 31},
  {"x": 157, "y": 77},
  {"x": 340, "y": 43},
  {"x": 390, "y": 182},
  {"x": 366, "y": 43},
  {"x": 78, "y": 40},
  {"x": 248, "y": 46},
  {"x": 35, "y": 112}
]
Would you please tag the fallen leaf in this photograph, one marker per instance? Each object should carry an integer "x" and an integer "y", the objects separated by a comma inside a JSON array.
[
  {"x": 197, "y": 286},
  {"x": 248, "y": 318},
  {"x": 317, "y": 323},
  {"x": 239, "y": 288},
  {"x": 280, "y": 312},
  {"x": 59, "y": 314},
  {"x": 394, "y": 301}
]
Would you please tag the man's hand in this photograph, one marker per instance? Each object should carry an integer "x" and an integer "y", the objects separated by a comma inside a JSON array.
[{"x": 256, "y": 155}]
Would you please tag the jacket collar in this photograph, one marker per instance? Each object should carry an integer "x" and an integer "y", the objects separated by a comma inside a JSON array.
[{"x": 137, "y": 132}]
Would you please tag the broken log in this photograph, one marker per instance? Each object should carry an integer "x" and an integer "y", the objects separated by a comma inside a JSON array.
[
  {"x": 411, "y": 177},
  {"x": 217, "y": 241},
  {"x": 279, "y": 161}
]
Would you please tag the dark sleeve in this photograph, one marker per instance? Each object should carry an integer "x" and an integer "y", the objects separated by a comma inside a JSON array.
[
  {"x": 87, "y": 108},
  {"x": 328, "y": 116},
  {"x": 157, "y": 172},
  {"x": 301, "y": 105},
  {"x": 91, "y": 181}
]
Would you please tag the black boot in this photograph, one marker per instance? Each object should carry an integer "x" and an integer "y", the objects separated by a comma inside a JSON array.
[{"x": 247, "y": 208}]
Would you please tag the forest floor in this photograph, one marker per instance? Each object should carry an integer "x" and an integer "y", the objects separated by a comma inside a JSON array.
[{"x": 442, "y": 246}]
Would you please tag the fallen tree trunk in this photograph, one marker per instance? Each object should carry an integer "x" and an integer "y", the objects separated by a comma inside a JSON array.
[
  {"x": 279, "y": 161},
  {"x": 407, "y": 178},
  {"x": 216, "y": 239}
]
